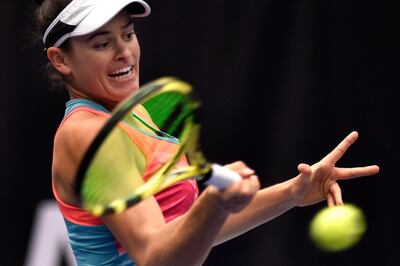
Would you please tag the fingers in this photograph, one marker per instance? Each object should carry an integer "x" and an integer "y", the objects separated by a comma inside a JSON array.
[
  {"x": 330, "y": 200},
  {"x": 349, "y": 173},
  {"x": 254, "y": 183},
  {"x": 336, "y": 192},
  {"x": 236, "y": 165},
  {"x": 304, "y": 169},
  {"x": 238, "y": 195},
  {"x": 341, "y": 149},
  {"x": 244, "y": 193},
  {"x": 241, "y": 168},
  {"x": 247, "y": 187},
  {"x": 334, "y": 196}
]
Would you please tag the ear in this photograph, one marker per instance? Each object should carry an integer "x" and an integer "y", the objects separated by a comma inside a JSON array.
[{"x": 57, "y": 58}]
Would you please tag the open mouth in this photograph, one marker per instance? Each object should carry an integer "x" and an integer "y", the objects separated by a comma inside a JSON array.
[{"x": 122, "y": 73}]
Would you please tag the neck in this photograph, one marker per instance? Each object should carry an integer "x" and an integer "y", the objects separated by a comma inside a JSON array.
[{"x": 77, "y": 94}]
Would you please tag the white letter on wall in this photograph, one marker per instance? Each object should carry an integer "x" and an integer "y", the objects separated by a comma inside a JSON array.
[{"x": 49, "y": 239}]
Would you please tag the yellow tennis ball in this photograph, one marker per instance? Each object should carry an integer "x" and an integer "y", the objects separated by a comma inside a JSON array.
[{"x": 337, "y": 228}]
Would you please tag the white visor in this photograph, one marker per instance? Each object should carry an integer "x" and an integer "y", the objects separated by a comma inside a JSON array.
[{"x": 82, "y": 17}]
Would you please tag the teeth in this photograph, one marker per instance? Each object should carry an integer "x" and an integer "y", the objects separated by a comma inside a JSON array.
[
  {"x": 122, "y": 70},
  {"x": 122, "y": 76},
  {"x": 121, "y": 73}
]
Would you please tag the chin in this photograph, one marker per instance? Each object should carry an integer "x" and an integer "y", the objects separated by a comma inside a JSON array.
[{"x": 127, "y": 88}]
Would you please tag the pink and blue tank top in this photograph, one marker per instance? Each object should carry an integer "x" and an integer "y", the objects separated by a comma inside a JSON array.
[{"x": 91, "y": 241}]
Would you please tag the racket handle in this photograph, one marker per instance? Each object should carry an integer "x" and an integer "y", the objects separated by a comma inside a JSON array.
[{"x": 222, "y": 177}]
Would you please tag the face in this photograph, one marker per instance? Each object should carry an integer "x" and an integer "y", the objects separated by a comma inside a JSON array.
[{"x": 104, "y": 65}]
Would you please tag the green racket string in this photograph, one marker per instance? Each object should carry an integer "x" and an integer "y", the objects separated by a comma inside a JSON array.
[
  {"x": 114, "y": 179},
  {"x": 114, "y": 172}
]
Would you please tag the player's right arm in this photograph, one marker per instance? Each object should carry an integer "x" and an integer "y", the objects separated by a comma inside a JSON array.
[
  {"x": 141, "y": 229},
  {"x": 188, "y": 239}
]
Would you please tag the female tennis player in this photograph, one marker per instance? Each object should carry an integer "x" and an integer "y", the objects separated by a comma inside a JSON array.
[{"x": 93, "y": 51}]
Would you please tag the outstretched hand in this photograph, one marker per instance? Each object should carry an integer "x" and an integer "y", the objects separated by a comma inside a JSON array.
[{"x": 319, "y": 181}]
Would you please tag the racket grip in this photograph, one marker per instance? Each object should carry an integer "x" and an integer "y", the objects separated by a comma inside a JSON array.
[{"x": 222, "y": 177}]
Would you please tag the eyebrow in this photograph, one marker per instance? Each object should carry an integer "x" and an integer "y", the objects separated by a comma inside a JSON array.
[{"x": 105, "y": 32}]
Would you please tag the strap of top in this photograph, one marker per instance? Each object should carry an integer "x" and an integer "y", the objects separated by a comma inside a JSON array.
[{"x": 75, "y": 103}]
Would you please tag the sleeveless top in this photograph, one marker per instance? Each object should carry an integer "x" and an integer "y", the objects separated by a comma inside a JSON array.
[{"x": 91, "y": 241}]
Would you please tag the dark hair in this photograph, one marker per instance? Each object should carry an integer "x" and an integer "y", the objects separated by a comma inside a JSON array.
[{"x": 44, "y": 16}]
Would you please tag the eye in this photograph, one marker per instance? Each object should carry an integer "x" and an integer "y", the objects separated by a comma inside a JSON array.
[
  {"x": 129, "y": 36},
  {"x": 102, "y": 46}
]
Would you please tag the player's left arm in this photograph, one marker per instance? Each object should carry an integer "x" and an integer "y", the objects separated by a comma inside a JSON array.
[{"x": 315, "y": 183}]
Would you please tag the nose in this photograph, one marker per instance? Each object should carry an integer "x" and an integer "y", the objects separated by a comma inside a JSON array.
[{"x": 122, "y": 50}]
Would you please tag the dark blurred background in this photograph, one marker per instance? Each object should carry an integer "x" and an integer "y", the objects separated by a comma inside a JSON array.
[{"x": 282, "y": 82}]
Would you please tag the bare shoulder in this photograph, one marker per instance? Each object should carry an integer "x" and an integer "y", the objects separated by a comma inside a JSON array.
[
  {"x": 77, "y": 133},
  {"x": 70, "y": 144}
]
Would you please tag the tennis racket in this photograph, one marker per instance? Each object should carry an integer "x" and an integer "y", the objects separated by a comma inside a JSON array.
[{"x": 108, "y": 179}]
